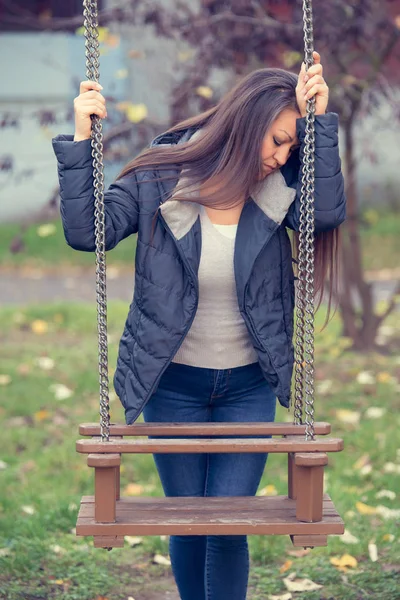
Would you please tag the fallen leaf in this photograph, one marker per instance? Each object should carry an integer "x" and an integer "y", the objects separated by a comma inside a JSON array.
[
  {"x": 300, "y": 585},
  {"x": 361, "y": 462},
  {"x": 5, "y": 379},
  {"x": 133, "y": 489},
  {"x": 391, "y": 468},
  {"x": 375, "y": 412},
  {"x": 348, "y": 538},
  {"x": 344, "y": 562},
  {"x": 299, "y": 553},
  {"x": 29, "y": 510},
  {"x": 388, "y": 513},
  {"x": 5, "y": 551},
  {"x": 57, "y": 549},
  {"x": 61, "y": 392},
  {"x": 373, "y": 551},
  {"x": 286, "y": 566},
  {"x": 386, "y": 494},
  {"x": 46, "y": 230},
  {"x": 365, "y": 378},
  {"x": 388, "y": 537},
  {"x": 364, "y": 509},
  {"x": 45, "y": 363},
  {"x": 348, "y": 416},
  {"x": 59, "y": 581},
  {"x": 3, "y": 465},
  {"x": 39, "y": 327},
  {"x": 287, "y": 596},
  {"x": 159, "y": 559},
  {"x": 268, "y": 490},
  {"x": 41, "y": 415},
  {"x": 133, "y": 540},
  {"x": 324, "y": 387},
  {"x": 384, "y": 377}
]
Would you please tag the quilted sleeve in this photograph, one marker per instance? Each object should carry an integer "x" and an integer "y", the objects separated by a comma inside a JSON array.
[
  {"x": 330, "y": 200},
  {"x": 75, "y": 174}
]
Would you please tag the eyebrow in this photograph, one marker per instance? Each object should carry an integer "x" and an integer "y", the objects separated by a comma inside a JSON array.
[{"x": 290, "y": 138}]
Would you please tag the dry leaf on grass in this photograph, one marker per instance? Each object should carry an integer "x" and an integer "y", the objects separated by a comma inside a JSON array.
[
  {"x": 386, "y": 494},
  {"x": 39, "y": 327},
  {"x": 45, "y": 363},
  {"x": 41, "y": 415},
  {"x": 375, "y": 412},
  {"x": 5, "y": 379},
  {"x": 299, "y": 553},
  {"x": 373, "y": 551},
  {"x": 60, "y": 391},
  {"x": 364, "y": 509},
  {"x": 349, "y": 417},
  {"x": 286, "y": 566},
  {"x": 133, "y": 489},
  {"x": 365, "y": 378},
  {"x": 46, "y": 230},
  {"x": 344, "y": 562},
  {"x": 159, "y": 559},
  {"x": 133, "y": 540},
  {"x": 3, "y": 465},
  {"x": 348, "y": 538},
  {"x": 268, "y": 490},
  {"x": 28, "y": 510},
  {"x": 287, "y": 596},
  {"x": 300, "y": 585}
]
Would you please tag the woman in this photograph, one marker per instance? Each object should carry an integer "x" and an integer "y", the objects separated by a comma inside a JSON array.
[{"x": 209, "y": 332}]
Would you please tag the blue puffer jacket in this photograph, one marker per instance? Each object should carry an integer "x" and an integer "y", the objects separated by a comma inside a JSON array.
[{"x": 166, "y": 284}]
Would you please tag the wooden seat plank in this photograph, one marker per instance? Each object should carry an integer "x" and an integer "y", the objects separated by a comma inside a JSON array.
[
  {"x": 200, "y": 429},
  {"x": 208, "y": 445},
  {"x": 258, "y": 515}
]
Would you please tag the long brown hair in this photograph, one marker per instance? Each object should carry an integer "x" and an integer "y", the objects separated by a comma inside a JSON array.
[{"x": 227, "y": 157}]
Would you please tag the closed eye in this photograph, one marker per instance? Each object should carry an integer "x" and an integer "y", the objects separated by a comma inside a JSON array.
[{"x": 292, "y": 149}]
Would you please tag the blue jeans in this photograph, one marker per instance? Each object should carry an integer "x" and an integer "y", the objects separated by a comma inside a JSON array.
[{"x": 211, "y": 567}]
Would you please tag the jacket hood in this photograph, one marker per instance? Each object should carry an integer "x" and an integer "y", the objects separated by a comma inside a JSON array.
[{"x": 273, "y": 197}]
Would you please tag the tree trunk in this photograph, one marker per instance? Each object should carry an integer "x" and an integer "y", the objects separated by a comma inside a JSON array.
[{"x": 360, "y": 324}]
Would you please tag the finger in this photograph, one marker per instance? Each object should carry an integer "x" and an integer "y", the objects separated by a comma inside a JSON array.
[
  {"x": 93, "y": 96},
  {"x": 316, "y": 80},
  {"x": 315, "y": 70},
  {"x": 86, "y": 86},
  {"x": 316, "y": 57},
  {"x": 315, "y": 90}
]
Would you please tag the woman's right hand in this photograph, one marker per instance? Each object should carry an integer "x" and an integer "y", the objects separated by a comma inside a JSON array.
[{"x": 89, "y": 102}]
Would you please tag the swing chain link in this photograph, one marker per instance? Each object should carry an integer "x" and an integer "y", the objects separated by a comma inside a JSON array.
[
  {"x": 92, "y": 54},
  {"x": 304, "y": 370}
]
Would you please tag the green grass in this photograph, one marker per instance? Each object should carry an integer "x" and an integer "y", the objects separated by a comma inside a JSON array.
[
  {"x": 43, "y": 472},
  {"x": 379, "y": 234}
]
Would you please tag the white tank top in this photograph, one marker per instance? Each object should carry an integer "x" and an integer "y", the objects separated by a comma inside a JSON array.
[{"x": 218, "y": 337}]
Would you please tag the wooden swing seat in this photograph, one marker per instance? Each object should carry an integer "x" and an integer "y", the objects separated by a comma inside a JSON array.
[{"x": 306, "y": 514}]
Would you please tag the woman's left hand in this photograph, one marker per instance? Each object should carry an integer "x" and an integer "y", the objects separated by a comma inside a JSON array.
[{"x": 311, "y": 83}]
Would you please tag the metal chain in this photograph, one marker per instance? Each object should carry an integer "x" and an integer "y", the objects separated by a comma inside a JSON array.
[
  {"x": 92, "y": 53},
  {"x": 304, "y": 373}
]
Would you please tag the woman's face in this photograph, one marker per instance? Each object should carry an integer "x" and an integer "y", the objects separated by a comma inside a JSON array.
[{"x": 280, "y": 141}]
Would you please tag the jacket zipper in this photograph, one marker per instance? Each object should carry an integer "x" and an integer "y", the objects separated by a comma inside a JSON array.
[{"x": 194, "y": 285}]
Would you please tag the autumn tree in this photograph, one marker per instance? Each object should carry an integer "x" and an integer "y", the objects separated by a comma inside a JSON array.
[{"x": 359, "y": 43}]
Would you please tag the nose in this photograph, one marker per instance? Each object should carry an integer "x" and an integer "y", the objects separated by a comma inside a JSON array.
[{"x": 281, "y": 156}]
